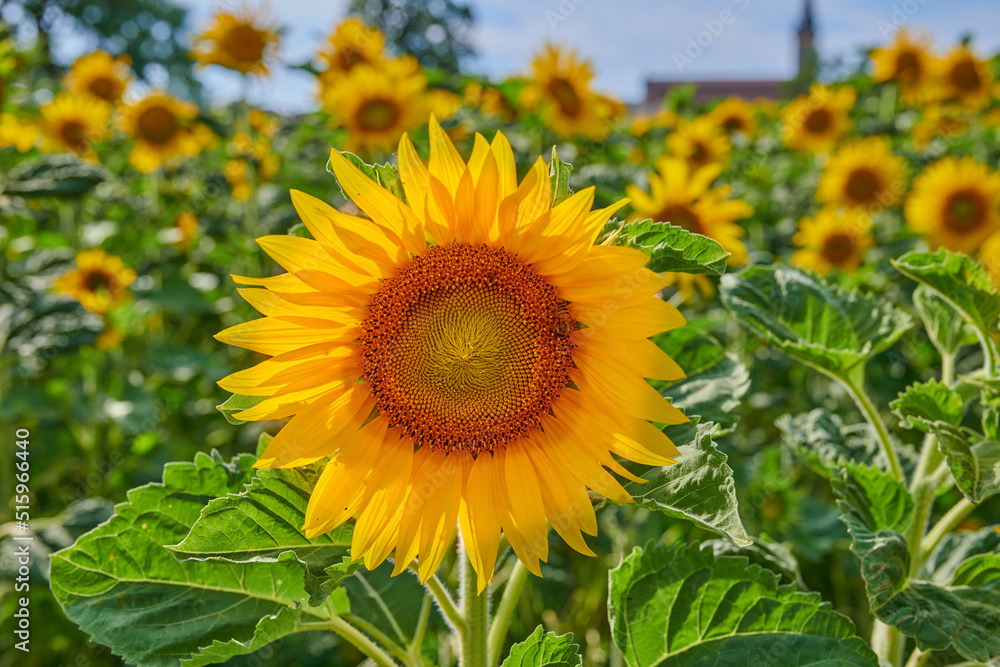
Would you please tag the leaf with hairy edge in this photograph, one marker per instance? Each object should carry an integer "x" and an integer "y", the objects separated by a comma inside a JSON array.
[
  {"x": 544, "y": 650},
  {"x": 948, "y": 331},
  {"x": 681, "y": 605},
  {"x": 121, "y": 586},
  {"x": 237, "y": 403},
  {"x": 923, "y": 403},
  {"x": 674, "y": 248},
  {"x": 386, "y": 175},
  {"x": 876, "y": 508},
  {"x": 699, "y": 487},
  {"x": 960, "y": 281},
  {"x": 815, "y": 322},
  {"x": 974, "y": 462},
  {"x": 52, "y": 176},
  {"x": 559, "y": 172},
  {"x": 262, "y": 524},
  {"x": 270, "y": 628},
  {"x": 820, "y": 438}
]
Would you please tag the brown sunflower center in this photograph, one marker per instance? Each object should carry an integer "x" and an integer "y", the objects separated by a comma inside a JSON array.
[
  {"x": 965, "y": 76},
  {"x": 104, "y": 88},
  {"x": 157, "y": 125},
  {"x": 862, "y": 186},
  {"x": 699, "y": 154},
  {"x": 245, "y": 44},
  {"x": 679, "y": 214},
  {"x": 565, "y": 96},
  {"x": 377, "y": 115},
  {"x": 98, "y": 281},
  {"x": 818, "y": 121},
  {"x": 349, "y": 56},
  {"x": 74, "y": 135},
  {"x": 838, "y": 247},
  {"x": 964, "y": 210},
  {"x": 734, "y": 123},
  {"x": 908, "y": 67},
  {"x": 465, "y": 348}
]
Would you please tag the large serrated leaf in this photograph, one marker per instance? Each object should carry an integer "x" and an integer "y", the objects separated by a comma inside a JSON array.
[
  {"x": 974, "y": 462},
  {"x": 960, "y": 281},
  {"x": 948, "y": 331},
  {"x": 937, "y": 616},
  {"x": 813, "y": 321},
  {"x": 820, "y": 438},
  {"x": 270, "y": 628},
  {"x": 122, "y": 586},
  {"x": 923, "y": 403},
  {"x": 673, "y": 248},
  {"x": 59, "y": 175},
  {"x": 681, "y": 605},
  {"x": 699, "y": 487},
  {"x": 543, "y": 649}
]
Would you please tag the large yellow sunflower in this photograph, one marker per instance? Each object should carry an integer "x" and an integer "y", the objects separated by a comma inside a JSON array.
[
  {"x": 733, "y": 115},
  {"x": 954, "y": 204},
  {"x": 814, "y": 123},
  {"x": 863, "y": 174},
  {"x": 964, "y": 79},
  {"x": 700, "y": 141},
  {"x": 909, "y": 62},
  {"x": 73, "y": 122},
  {"x": 99, "y": 282},
  {"x": 560, "y": 90},
  {"x": 245, "y": 41},
  {"x": 352, "y": 43},
  {"x": 99, "y": 75},
  {"x": 163, "y": 131},
  {"x": 461, "y": 357},
  {"x": 377, "y": 106},
  {"x": 834, "y": 238}
]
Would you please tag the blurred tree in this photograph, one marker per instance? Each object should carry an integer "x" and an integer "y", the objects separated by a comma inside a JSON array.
[
  {"x": 151, "y": 32},
  {"x": 436, "y": 32}
]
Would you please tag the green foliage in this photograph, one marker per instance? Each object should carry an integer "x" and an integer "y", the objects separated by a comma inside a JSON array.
[
  {"x": 973, "y": 460},
  {"x": 955, "y": 549},
  {"x": 237, "y": 403},
  {"x": 812, "y": 320},
  {"x": 544, "y": 650},
  {"x": 287, "y": 621},
  {"x": 927, "y": 402},
  {"x": 825, "y": 444},
  {"x": 386, "y": 175},
  {"x": 680, "y": 605},
  {"x": 52, "y": 176},
  {"x": 674, "y": 249},
  {"x": 947, "y": 330},
  {"x": 559, "y": 172}
]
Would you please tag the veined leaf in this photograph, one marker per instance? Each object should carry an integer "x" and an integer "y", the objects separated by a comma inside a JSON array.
[
  {"x": 875, "y": 508},
  {"x": 287, "y": 621},
  {"x": 123, "y": 587},
  {"x": 955, "y": 549},
  {"x": 544, "y": 650},
  {"x": 825, "y": 444},
  {"x": 388, "y": 608},
  {"x": 58, "y": 175},
  {"x": 680, "y": 605},
  {"x": 813, "y": 321},
  {"x": 674, "y": 248},
  {"x": 770, "y": 555},
  {"x": 923, "y": 403},
  {"x": 559, "y": 172},
  {"x": 386, "y": 175},
  {"x": 974, "y": 462},
  {"x": 960, "y": 281},
  {"x": 948, "y": 331},
  {"x": 699, "y": 487},
  {"x": 237, "y": 403}
]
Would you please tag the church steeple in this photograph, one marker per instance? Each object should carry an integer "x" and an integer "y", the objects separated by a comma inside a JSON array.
[{"x": 807, "y": 45}]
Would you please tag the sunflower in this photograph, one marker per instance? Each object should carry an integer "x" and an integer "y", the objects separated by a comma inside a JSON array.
[
  {"x": 560, "y": 90},
  {"x": 814, "y": 123},
  {"x": 954, "y": 204},
  {"x": 378, "y": 105},
  {"x": 909, "y": 62},
  {"x": 938, "y": 121},
  {"x": 244, "y": 41},
  {"x": 683, "y": 196},
  {"x": 490, "y": 101},
  {"x": 99, "y": 75},
  {"x": 17, "y": 133},
  {"x": 457, "y": 359},
  {"x": 643, "y": 123},
  {"x": 699, "y": 141},
  {"x": 964, "y": 79},
  {"x": 353, "y": 43},
  {"x": 834, "y": 238},
  {"x": 863, "y": 174},
  {"x": 734, "y": 115},
  {"x": 74, "y": 122},
  {"x": 163, "y": 132},
  {"x": 99, "y": 282}
]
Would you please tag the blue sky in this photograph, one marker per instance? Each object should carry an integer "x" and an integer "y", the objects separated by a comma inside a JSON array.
[{"x": 630, "y": 41}]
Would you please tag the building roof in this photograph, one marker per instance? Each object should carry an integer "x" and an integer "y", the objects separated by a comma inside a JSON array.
[{"x": 709, "y": 90}]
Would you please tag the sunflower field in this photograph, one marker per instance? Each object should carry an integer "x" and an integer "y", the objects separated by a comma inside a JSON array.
[{"x": 457, "y": 371}]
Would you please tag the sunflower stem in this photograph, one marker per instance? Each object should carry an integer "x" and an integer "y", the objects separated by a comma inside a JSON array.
[
  {"x": 504, "y": 612},
  {"x": 475, "y": 611},
  {"x": 357, "y": 639},
  {"x": 875, "y": 419},
  {"x": 447, "y": 606},
  {"x": 948, "y": 523}
]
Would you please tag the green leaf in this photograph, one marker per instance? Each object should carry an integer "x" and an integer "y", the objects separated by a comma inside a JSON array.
[
  {"x": 815, "y": 322},
  {"x": 974, "y": 462},
  {"x": 237, "y": 403},
  {"x": 680, "y": 605},
  {"x": 875, "y": 509},
  {"x": 673, "y": 248},
  {"x": 979, "y": 571},
  {"x": 699, "y": 487},
  {"x": 960, "y": 281},
  {"x": 559, "y": 172},
  {"x": 386, "y": 175},
  {"x": 948, "y": 332},
  {"x": 262, "y": 524},
  {"x": 820, "y": 438},
  {"x": 770, "y": 555},
  {"x": 59, "y": 175},
  {"x": 955, "y": 549},
  {"x": 544, "y": 650},
  {"x": 270, "y": 628},
  {"x": 123, "y": 587},
  {"x": 923, "y": 403},
  {"x": 386, "y": 606}
]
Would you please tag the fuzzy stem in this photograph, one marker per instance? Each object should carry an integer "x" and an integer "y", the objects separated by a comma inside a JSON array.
[
  {"x": 357, "y": 639},
  {"x": 504, "y": 612},
  {"x": 446, "y": 604},
  {"x": 865, "y": 403},
  {"x": 475, "y": 611}
]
